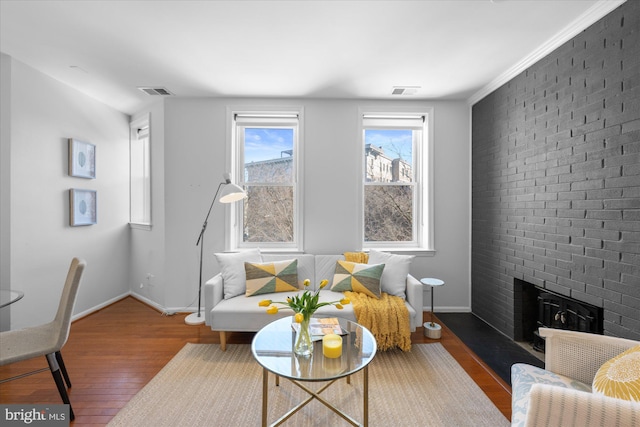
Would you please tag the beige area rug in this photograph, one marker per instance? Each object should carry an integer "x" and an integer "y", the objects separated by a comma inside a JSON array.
[{"x": 204, "y": 386}]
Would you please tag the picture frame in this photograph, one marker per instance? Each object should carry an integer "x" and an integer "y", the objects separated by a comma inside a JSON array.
[
  {"x": 82, "y": 159},
  {"x": 83, "y": 207}
]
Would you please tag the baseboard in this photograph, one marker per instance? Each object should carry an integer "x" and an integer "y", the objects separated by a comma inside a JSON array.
[
  {"x": 447, "y": 309},
  {"x": 99, "y": 307}
]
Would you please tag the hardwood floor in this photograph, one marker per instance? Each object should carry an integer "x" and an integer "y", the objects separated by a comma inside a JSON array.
[{"x": 113, "y": 353}]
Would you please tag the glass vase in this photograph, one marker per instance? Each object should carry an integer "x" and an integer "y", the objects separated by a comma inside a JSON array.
[{"x": 303, "y": 346}]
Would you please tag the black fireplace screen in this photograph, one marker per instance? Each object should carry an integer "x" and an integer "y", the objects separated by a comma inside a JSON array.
[{"x": 560, "y": 312}]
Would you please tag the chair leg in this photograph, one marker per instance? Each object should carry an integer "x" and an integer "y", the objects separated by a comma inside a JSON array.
[
  {"x": 63, "y": 369},
  {"x": 57, "y": 377}
]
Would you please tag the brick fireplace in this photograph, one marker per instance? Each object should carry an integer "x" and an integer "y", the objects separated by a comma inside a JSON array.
[{"x": 556, "y": 181}]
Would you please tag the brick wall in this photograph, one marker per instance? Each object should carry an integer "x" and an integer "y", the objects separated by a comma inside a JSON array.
[{"x": 556, "y": 179}]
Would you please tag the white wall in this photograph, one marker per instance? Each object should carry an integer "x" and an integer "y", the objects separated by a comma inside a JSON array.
[
  {"x": 195, "y": 158},
  {"x": 43, "y": 114}
]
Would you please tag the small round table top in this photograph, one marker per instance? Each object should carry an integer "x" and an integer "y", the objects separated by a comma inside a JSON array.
[{"x": 431, "y": 282}]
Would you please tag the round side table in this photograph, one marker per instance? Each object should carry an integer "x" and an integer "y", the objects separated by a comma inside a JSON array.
[{"x": 431, "y": 329}]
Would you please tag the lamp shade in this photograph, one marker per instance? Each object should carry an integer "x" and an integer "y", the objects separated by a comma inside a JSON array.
[{"x": 232, "y": 193}]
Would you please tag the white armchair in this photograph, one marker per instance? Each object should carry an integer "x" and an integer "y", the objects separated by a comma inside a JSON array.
[{"x": 560, "y": 394}]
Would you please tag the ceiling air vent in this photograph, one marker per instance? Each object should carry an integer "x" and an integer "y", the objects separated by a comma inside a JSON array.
[
  {"x": 405, "y": 90},
  {"x": 155, "y": 91}
]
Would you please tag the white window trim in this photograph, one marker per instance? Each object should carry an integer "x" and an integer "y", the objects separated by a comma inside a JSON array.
[
  {"x": 233, "y": 240},
  {"x": 425, "y": 196},
  {"x": 143, "y": 121}
]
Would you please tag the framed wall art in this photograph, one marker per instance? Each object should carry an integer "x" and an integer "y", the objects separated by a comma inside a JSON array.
[
  {"x": 83, "y": 209},
  {"x": 82, "y": 159}
]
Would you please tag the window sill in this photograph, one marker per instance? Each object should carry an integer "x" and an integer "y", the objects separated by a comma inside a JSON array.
[
  {"x": 138, "y": 226},
  {"x": 406, "y": 251}
]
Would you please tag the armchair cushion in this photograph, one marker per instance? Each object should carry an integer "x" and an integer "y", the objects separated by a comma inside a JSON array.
[{"x": 523, "y": 377}]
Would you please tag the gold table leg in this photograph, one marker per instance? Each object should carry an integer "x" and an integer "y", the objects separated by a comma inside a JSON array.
[{"x": 265, "y": 393}]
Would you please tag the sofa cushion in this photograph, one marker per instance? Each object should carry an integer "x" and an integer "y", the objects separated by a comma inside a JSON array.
[
  {"x": 363, "y": 278},
  {"x": 619, "y": 377},
  {"x": 277, "y": 276},
  {"x": 524, "y": 376},
  {"x": 232, "y": 270},
  {"x": 396, "y": 270},
  {"x": 244, "y": 314}
]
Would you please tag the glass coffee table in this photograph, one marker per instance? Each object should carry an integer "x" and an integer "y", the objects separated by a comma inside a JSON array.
[{"x": 272, "y": 348}]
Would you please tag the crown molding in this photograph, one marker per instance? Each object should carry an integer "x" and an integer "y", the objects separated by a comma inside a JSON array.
[{"x": 588, "y": 18}]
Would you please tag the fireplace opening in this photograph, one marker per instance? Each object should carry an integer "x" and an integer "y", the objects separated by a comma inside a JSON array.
[{"x": 542, "y": 308}]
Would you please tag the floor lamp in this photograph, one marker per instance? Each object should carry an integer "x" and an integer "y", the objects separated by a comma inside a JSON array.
[{"x": 230, "y": 193}]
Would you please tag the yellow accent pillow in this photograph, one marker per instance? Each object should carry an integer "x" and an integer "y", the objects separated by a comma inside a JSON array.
[
  {"x": 620, "y": 376},
  {"x": 279, "y": 276},
  {"x": 359, "y": 257}
]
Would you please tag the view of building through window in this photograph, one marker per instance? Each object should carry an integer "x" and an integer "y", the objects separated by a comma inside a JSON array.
[
  {"x": 268, "y": 179},
  {"x": 388, "y": 188}
]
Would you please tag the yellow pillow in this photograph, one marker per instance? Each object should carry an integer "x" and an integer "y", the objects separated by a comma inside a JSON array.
[
  {"x": 620, "y": 376},
  {"x": 279, "y": 276},
  {"x": 359, "y": 257}
]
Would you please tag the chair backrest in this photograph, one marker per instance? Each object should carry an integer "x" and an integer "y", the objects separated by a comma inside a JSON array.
[{"x": 68, "y": 299}]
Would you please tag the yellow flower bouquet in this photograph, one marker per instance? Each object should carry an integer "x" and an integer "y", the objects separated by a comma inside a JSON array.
[{"x": 303, "y": 306}]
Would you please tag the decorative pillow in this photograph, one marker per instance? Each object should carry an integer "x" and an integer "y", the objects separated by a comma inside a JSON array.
[
  {"x": 352, "y": 276},
  {"x": 361, "y": 257},
  {"x": 232, "y": 270},
  {"x": 620, "y": 376},
  {"x": 278, "y": 276},
  {"x": 396, "y": 269}
]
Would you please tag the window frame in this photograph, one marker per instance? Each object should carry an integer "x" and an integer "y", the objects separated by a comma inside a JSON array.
[
  {"x": 136, "y": 127},
  {"x": 265, "y": 117},
  {"x": 422, "y": 229}
]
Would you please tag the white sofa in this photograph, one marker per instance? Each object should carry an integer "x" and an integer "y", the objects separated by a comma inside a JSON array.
[
  {"x": 242, "y": 313},
  {"x": 560, "y": 394}
]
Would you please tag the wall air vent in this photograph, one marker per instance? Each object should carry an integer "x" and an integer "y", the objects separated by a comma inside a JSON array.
[
  {"x": 404, "y": 90},
  {"x": 155, "y": 91}
]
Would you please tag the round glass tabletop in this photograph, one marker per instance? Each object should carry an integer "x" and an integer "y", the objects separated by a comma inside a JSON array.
[
  {"x": 7, "y": 296},
  {"x": 272, "y": 348}
]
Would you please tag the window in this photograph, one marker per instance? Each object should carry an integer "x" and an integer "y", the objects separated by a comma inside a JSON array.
[
  {"x": 395, "y": 185},
  {"x": 140, "y": 173},
  {"x": 266, "y": 165}
]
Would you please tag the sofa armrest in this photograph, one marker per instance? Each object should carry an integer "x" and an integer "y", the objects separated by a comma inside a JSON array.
[
  {"x": 579, "y": 355},
  {"x": 551, "y": 406},
  {"x": 414, "y": 298},
  {"x": 213, "y": 294}
]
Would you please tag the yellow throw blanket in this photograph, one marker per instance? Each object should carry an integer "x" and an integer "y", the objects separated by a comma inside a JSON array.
[{"x": 387, "y": 318}]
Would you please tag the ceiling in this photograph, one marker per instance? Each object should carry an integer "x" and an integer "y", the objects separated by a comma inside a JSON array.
[{"x": 338, "y": 49}]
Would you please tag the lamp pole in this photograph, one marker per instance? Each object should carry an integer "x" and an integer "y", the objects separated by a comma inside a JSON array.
[{"x": 231, "y": 193}]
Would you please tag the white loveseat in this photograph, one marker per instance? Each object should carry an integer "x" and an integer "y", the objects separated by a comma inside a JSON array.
[
  {"x": 242, "y": 314},
  {"x": 561, "y": 394}
]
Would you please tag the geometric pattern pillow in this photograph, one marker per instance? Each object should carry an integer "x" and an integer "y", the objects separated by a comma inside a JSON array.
[
  {"x": 620, "y": 376},
  {"x": 278, "y": 276},
  {"x": 356, "y": 277}
]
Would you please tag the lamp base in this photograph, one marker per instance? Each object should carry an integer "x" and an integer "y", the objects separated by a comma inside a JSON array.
[
  {"x": 196, "y": 318},
  {"x": 432, "y": 330}
]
